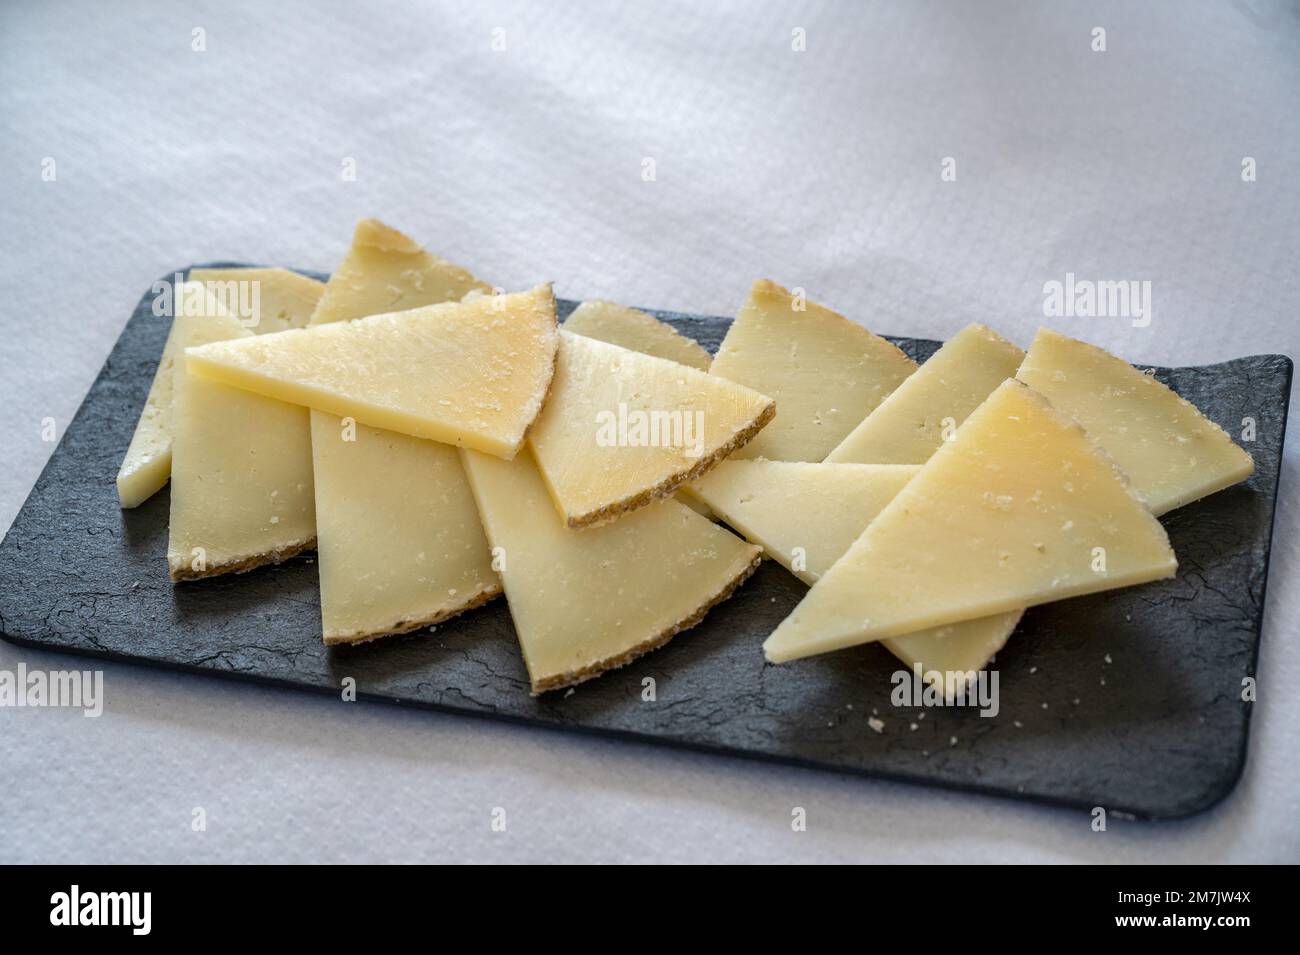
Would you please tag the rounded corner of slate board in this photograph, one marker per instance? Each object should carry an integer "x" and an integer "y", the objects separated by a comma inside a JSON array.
[{"x": 1164, "y": 739}]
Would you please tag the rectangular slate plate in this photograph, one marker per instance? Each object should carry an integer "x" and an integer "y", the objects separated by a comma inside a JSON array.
[{"x": 1129, "y": 700}]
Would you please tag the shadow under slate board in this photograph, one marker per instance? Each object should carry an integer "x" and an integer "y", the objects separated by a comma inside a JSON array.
[{"x": 1130, "y": 700}]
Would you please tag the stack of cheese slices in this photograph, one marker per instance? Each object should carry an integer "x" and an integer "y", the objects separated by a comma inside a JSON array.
[{"x": 438, "y": 442}]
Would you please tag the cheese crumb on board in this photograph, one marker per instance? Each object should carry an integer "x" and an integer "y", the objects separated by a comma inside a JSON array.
[
  {"x": 1020, "y": 508},
  {"x": 241, "y": 470},
  {"x": 806, "y": 516},
  {"x": 400, "y": 546},
  {"x": 586, "y": 601},
  {"x": 622, "y": 429},
  {"x": 285, "y": 299},
  {"x": 926, "y": 409},
  {"x": 387, "y": 271},
  {"x": 635, "y": 330},
  {"x": 1172, "y": 453},
  {"x": 469, "y": 373},
  {"x": 825, "y": 372}
]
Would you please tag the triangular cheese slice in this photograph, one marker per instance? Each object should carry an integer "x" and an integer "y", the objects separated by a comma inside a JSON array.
[
  {"x": 400, "y": 544},
  {"x": 1020, "y": 508},
  {"x": 807, "y": 515},
  {"x": 825, "y": 372},
  {"x": 638, "y": 331},
  {"x": 622, "y": 429},
  {"x": 910, "y": 424},
  {"x": 804, "y": 515},
  {"x": 265, "y": 300},
  {"x": 241, "y": 490},
  {"x": 386, "y": 271},
  {"x": 584, "y": 602},
  {"x": 633, "y": 329},
  {"x": 148, "y": 461},
  {"x": 1172, "y": 453},
  {"x": 472, "y": 374},
  {"x": 398, "y": 537}
]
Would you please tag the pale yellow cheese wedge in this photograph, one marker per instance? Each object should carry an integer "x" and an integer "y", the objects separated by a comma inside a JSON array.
[
  {"x": 622, "y": 429},
  {"x": 633, "y": 329},
  {"x": 825, "y": 372},
  {"x": 1172, "y": 453},
  {"x": 398, "y": 536},
  {"x": 806, "y": 516},
  {"x": 584, "y": 602},
  {"x": 386, "y": 271},
  {"x": 471, "y": 374},
  {"x": 1022, "y": 507},
  {"x": 148, "y": 461},
  {"x": 400, "y": 545},
  {"x": 910, "y": 424},
  {"x": 265, "y": 300},
  {"x": 241, "y": 471}
]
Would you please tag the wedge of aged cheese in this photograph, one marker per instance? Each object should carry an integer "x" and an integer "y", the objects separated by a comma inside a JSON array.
[
  {"x": 466, "y": 373},
  {"x": 804, "y": 515},
  {"x": 400, "y": 544},
  {"x": 807, "y": 515},
  {"x": 268, "y": 300},
  {"x": 148, "y": 461},
  {"x": 241, "y": 471},
  {"x": 398, "y": 537},
  {"x": 584, "y": 602},
  {"x": 633, "y": 329},
  {"x": 1020, "y": 508},
  {"x": 1172, "y": 453},
  {"x": 910, "y": 424},
  {"x": 386, "y": 271},
  {"x": 825, "y": 372},
  {"x": 622, "y": 429}
]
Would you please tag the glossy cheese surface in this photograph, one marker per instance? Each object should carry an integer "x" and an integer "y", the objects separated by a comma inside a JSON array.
[
  {"x": 910, "y": 424},
  {"x": 400, "y": 544},
  {"x": 386, "y": 271},
  {"x": 585, "y": 601},
  {"x": 622, "y": 429},
  {"x": 284, "y": 299},
  {"x": 1172, "y": 453},
  {"x": 806, "y": 516},
  {"x": 472, "y": 374},
  {"x": 825, "y": 372},
  {"x": 1020, "y": 508},
  {"x": 241, "y": 491},
  {"x": 630, "y": 328}
]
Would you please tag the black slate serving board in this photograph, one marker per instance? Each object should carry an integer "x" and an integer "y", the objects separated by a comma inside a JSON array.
[{"x": 1130, "y": 700}]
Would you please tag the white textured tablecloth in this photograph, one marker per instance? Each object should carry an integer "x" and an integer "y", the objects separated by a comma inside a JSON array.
[{"x": 818, "y": 168}]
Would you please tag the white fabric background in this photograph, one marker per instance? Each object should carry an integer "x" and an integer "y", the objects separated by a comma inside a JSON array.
[{"x": 819, "y": 169}]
